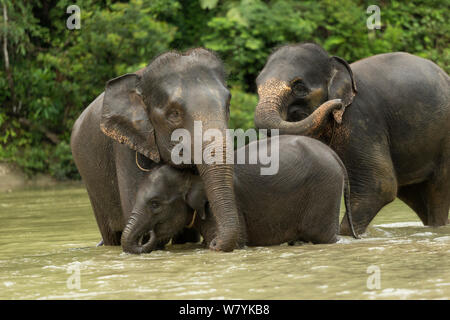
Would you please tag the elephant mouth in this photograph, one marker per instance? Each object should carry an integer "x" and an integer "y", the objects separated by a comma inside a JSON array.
[
  {"x": 147, "y": 242},
  {"x": 160, "y": 242},
  {"x": 165, "y": 234},
  {"x": 161, "y": 233},
  {"x": 145, "y": 238}
]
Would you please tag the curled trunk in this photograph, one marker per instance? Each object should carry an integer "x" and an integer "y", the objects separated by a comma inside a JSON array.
[
  {"x": 268, "y": 116},
  {"x": 136, "y": 227}
]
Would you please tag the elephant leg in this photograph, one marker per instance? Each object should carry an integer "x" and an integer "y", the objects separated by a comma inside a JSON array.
[
  {"x": 110, "y": 237},
  {"x": 438, "y": 191},
  {"x": 364, "y": 208},
  {"x": 373, "y": 185},
  {"x": 320, "y": 221},
  {"x": 431, "y": 199},
  {"x": 414, "y": 196},
  {"x": 439, "y": 204},
  {"x": 129, "y": 177}
]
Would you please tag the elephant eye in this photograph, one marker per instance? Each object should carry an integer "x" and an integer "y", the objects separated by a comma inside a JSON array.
[
  {"x": 299, "y": 88},
  {"x": 154, "y": 204},
  {"x": 174, "y": 115}
]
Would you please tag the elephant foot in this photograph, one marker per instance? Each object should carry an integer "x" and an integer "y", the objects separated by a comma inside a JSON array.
[{"x": 345, "y": 229}]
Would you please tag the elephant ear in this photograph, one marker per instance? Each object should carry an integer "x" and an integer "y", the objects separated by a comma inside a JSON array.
[
  {"x": 341, "y": 85},
  {"x": 195, "y": 196},
  {"x": 124, "y": 116}
]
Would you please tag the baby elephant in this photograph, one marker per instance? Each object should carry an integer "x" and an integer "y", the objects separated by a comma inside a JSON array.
[{"x": 300, "y": 202}]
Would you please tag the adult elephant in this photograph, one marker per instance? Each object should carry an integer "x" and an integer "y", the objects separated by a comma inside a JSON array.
[
  {"x": 130, "y": 125},
  {"x": 393, "y": 137}
]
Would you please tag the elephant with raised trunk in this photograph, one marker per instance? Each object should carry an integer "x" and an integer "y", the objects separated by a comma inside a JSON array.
[
  {"x": 300, "y": 202},
  {"x": 391, "y": 124},
  {"x": 130, "y": 126}
]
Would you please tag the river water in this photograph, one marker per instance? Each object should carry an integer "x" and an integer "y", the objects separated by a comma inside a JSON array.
[{"x": 47, "y": 251}]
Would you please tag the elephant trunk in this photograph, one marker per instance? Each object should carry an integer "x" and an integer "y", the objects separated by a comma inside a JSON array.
[
  {"x": 136, "y": 227},
  {"x": 218, "y": 181},
  {"x": 268, "y": 115},
  {"x": 272, "y": 107}
]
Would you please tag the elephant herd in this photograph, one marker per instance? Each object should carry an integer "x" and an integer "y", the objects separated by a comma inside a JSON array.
[{"x": 372, "y": 131}]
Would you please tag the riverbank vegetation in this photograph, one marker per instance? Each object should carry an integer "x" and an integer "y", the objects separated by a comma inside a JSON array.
[{"x": 49, "y": 74}]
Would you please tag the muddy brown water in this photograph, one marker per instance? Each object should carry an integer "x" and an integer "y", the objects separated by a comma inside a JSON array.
[{"x": 47, "y": 251}]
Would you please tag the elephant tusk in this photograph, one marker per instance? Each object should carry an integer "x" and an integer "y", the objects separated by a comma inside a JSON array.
[
  {"x": 142, "y": 169},
  {"x": 192, "y": 221}
]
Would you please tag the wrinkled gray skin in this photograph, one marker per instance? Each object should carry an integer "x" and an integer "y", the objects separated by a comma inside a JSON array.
[
  {"x": 299, "y": 203},
  {"x": 135, "y": 117},
  {"x": 393, "y": 137}
]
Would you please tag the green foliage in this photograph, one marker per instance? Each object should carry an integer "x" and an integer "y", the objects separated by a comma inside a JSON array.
[
  {"x": 61, "y": 164},
  {"x": 57, "y": 72},
  {"x": 245, "y": 32},
  {"x": 208, "y": 4},
  {"x": 242, "y": 105}
]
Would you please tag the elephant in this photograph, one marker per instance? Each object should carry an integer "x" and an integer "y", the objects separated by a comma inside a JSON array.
[
  {"x": 386, "y": 116},
  {"x": 301, "y": 202},
  {"x": 127, "y": 130}
]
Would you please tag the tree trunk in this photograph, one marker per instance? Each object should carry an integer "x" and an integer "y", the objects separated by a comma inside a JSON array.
[{"x": 8, "y": 70}]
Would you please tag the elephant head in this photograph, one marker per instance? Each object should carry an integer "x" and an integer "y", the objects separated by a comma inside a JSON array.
[
  {"x": 167, "y": 200},
  {"x": 299, "y": 87},
  {"x": 143, "y": 109}
]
